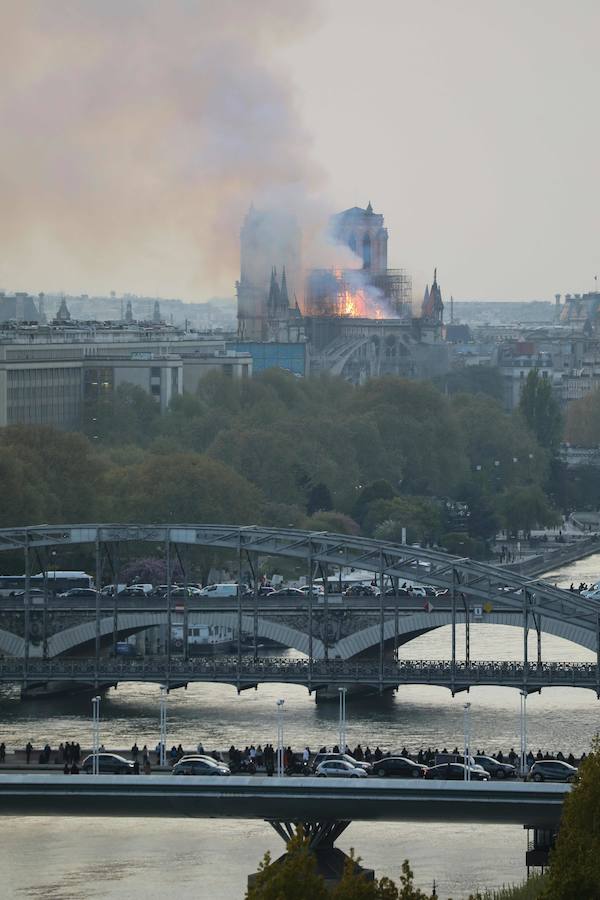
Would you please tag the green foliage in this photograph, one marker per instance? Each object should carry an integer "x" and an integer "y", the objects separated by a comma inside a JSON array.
[
  {"x": 460, "y": 544},
  {"x": 420, "y": 516},
  {"x": 493, "y": 440},
  {"x": 575, "y": 861},
  {"x": 541, "y": 410},
  {"x": 183, "y": 487},
  {"x": 129, "y": 415},
  {"x": 47, "y": 475},
  {"x": 335, "y": 522},
  {"x": 526, "y": 507},
  {"x": 582, "y": 426},
  {"x": 275, "y": 448},
  {"x": 473, "y": 380},
  {"x": 377, "y": 490},
  {"x": 294, "y": 878},
  {"x": 531, "y": 889},
  {"x": 319, "y": 499}
]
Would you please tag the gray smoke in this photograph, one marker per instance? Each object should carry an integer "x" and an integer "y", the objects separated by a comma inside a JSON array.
[{"x": 135, "y": 135}]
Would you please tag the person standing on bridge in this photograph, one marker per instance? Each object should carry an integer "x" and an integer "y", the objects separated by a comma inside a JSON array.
[{"x": 28, "y": 752}]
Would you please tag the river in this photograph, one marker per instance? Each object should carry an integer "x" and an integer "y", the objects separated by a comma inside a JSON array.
[{"x": 69, "y": 859}]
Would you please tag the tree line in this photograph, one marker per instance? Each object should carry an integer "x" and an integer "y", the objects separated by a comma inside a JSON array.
[{"x": 314, "y": 453}]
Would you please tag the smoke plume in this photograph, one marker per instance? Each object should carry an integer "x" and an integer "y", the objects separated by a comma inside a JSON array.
[{"x": 135, "y": 135}]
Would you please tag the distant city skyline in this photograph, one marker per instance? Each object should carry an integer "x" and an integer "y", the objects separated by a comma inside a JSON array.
[{"x": 136, "y": 137}]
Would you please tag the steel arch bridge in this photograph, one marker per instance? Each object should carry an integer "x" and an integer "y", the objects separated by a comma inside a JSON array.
[{"x": 476, "y": 591}]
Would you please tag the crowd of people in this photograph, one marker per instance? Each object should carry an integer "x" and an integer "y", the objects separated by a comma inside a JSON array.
[{"x": 258, "y": 758}]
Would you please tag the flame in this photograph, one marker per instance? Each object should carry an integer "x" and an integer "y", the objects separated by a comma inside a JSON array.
[{"x": 358, "y": 305}]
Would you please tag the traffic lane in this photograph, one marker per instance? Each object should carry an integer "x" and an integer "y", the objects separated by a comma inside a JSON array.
[{"x": 225, "y": 604}]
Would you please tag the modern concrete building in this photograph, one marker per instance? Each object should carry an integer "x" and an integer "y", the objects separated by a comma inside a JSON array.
[{"x": 48, "y": 372}]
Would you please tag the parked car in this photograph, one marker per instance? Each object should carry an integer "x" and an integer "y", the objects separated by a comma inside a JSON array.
[
  {"x": 133, "y": 591},
  {"x": 199, "y": 765},
  {"x": 360, "y": 590},
  {"x": 552, "y": 770},
  {"x": 33, "y": 592},
  {"x": 327, "y": 757},
  {"x": 317, "y": 590},
  {"x": 339, "y": 768},
  {"x": 455, "y": 772},
  {"x": 108, "y": 764},
  {"x": 398, "y": 767},
  {"x": 290, "y": 592},
  {"x": 77, "y": 592},
  {"x": 496, "y": 769},
  {"x": 220, "y": 591}
]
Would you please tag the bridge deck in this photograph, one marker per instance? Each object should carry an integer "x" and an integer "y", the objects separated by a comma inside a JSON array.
[{"x": 283, "y": 799}]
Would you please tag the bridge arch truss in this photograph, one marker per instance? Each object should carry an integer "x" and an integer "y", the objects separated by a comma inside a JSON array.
[{"x": 504, "y": 596}]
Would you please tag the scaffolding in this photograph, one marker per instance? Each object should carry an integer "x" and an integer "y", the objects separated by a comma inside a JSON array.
[{"x": 359, "y": 293}]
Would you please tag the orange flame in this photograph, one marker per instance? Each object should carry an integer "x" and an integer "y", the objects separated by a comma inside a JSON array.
[{"x": 357, "y": 305}]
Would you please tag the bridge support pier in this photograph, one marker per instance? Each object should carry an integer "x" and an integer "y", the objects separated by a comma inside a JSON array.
[{"x": 320, "y": 837}]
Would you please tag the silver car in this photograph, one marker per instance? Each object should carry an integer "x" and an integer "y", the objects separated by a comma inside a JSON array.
[{"x": 339, "y": 768}]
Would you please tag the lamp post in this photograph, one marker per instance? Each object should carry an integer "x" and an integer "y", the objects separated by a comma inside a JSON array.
[
  {"x": 95, "y": 735},
  {"x": 163, "y": 725},
  {"x": 467, "y": 728},
  {"x": 342, "y": 724},
  {"x": 280, "y": 738},
  {"x": 523, "y": 733}
]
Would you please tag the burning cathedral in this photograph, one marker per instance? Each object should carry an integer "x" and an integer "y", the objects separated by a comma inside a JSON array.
[{"x": 356, "y": 321}]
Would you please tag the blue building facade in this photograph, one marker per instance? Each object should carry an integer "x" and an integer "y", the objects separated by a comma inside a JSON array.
[{"x": 275, "y": 355}]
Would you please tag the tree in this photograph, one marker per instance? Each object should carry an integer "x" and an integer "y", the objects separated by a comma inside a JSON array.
[
  {"x": 460, "y": 544},
  {"x": 377, "y": 490},
  {"x": 319, "y": 499},
  {"x": 63, "y": 468},
  {"x": 541, "y": 410},
  {"x": 523, "y": 508},
  {"x": 336, "y": 522},
  {"x": 295, "y": 877},
  {"x": 575, "y": 861},
  {"x": 483, "y": 520},
  {"x": 420, "y": 516},
  {"x": 128, "y": 415},
  {"x": 149, "y": 571},
  {"x": 583, "y": 421},
  {"x": 473, "y": 380},
  {"x": 182, "y": 487}
]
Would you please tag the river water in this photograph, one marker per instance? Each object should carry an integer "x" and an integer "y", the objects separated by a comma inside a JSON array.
[{"x": 69, "y": 859}]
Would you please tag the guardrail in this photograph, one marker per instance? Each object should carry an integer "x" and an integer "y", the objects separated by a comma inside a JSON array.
[{"x": 250, "y": 671}]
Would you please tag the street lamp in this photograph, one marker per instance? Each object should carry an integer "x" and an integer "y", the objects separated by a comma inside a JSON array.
[
  {"x": 163, "y": 725},
  {"x": 95, "y": 735},
  {"x": 523, "y": 733},
  {"x": 342, "y": 728},
  {"x": 280, "y": 738},
  {"x": 467, "y": 726}
]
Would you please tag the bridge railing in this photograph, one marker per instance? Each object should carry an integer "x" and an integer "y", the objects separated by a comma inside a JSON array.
[{"x": 283, "y": 669}]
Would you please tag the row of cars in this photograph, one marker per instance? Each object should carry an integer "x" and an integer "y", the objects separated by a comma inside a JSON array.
[{"x": 342, "y": 765}]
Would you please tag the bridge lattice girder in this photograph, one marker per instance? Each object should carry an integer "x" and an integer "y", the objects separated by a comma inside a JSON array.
[{"x": 470, "y": 582}]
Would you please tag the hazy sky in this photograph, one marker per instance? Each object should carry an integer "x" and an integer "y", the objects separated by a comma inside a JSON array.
[{"x": 136, "y": 132}]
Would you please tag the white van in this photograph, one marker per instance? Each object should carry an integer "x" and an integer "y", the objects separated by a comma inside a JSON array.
[{"x": 221, "y": 590}]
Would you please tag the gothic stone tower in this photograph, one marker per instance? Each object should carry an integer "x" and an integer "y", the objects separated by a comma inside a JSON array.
[
  {"x": 267, "y": 239},
  {"x": 363, "y": 231}
]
